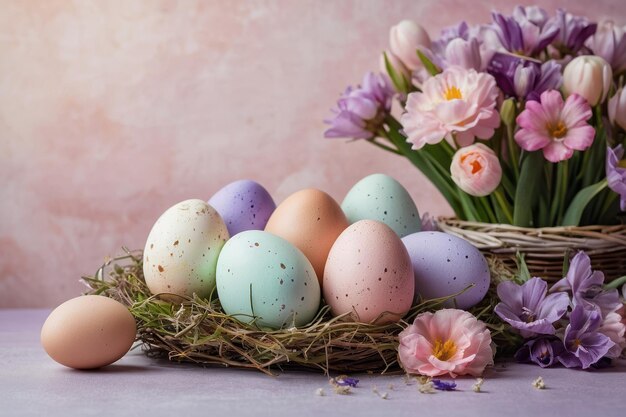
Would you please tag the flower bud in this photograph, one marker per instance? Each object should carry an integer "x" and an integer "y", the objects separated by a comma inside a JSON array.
[
  {"x": 465, "y": 54},
  {"x": 404, "y": 39},
  {"x": 588, "y": 76},
  {"x": 476, "y": 170},
  {"x": 617, "y": 109},
  {"x": 609, "y": 42}
]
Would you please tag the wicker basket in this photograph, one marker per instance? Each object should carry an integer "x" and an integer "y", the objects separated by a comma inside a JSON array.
[{"x": 544, "y": 248}]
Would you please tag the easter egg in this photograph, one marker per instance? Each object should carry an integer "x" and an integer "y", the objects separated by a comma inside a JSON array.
[
  {"x": 382, "y": 198},
  {"x": 369, "y": 274},
  {"x": 88, "y": 332},
  {"x": 243, "y": 205},
  {"x": 311, "y": 220},
  {"x": 262, "y": 276},
  {"x": 444, "y": 265},
  {"x": 181, "y": 252}
]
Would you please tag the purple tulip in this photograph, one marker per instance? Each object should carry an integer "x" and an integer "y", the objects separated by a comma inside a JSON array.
[
  {"x": 609, "y": 42},
  {"x": 584, "y": 345},
  {"x": 361, "y": 110},
  {"x": 615, "y": 174},
  {"x": 527, "y": 308},
  {"x": 586, "y": 286},
  {"x": 571, "y": 31},
  {"x": 524, "y": 78},
  {"x": 543, "y": 351},
  {"x": 525, "y": 32}
]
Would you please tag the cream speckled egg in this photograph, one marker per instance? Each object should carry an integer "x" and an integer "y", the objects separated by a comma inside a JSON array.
[
  {"x": 181, "y": 252},
  {"x": 369, "y": 273}
]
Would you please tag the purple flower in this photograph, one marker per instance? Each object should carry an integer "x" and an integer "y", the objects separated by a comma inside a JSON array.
[
  {"x": 524, "y": 78},
  {"x": 429, "y": 223},
  {"x": 443, "y": 385},
  {"x": 527, "y": 308},
  {"x": 459, "y": 46},
  {"x": 609, "y": 42},
  {"x": 586, "y": 286},
  {"x": 615, "y": 174},
  {"x": 584, "y": 345},
  {"x": 543, "y": 351},
  {"x": 360, "y": 110},
  {"x": 572, "y": 31},
  {"x": 525, "y": 32},
  {"x": 345, "y": 381}
]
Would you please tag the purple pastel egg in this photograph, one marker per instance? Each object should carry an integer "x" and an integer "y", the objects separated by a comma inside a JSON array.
[
  {"x": 243, "y": 205},
  {"x": 444, "y": 265}
]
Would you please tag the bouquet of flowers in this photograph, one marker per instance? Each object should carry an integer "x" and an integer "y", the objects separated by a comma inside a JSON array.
[
  {"x": 578, "y": 322},
  {"x": 520, "y": 121}
]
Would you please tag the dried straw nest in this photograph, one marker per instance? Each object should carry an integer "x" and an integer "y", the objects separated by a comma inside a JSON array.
[
  {"x": 198, "y": 331},
  {"x": 543, "y": 248}
]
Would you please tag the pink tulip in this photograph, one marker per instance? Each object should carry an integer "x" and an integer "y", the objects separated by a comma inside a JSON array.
[
  {"x": 588, "y": 76},
  {"x": 617, "y": 108},
  {"x": 448, "y": 341},
  {"x": 405, "y": 39},
  {"x": 476, "y": 170}
]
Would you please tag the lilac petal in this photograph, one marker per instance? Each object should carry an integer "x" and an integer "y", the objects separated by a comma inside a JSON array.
[
  {"x": 554, "y": 306},
  {"x": 533, "y": 292},
  {"x": 509, "y": 293}
]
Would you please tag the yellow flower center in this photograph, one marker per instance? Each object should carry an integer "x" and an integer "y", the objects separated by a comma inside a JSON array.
[
  {"x": 444, "y": 350},
  {"x": 576, "y": 343},
  {"x": 622, "y": 163},
  {"x": 557, "y": 131},
  {"x": 452, "y": 93}
]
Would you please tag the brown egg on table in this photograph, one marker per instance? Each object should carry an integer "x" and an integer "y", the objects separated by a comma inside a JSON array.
[
  {"x": 311, "y": 220},
  {"x": 88, "y": 332},
  {"x": 369, "y": 274}
]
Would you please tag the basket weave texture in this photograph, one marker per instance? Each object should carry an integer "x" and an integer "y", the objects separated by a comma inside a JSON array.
[{"x": 544, "y": 248}]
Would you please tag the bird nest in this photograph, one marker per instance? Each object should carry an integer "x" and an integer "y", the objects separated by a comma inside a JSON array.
[{"x": 197, "y": 330}]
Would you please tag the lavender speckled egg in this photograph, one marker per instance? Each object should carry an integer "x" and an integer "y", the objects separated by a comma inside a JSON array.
[
  {"x": 368, "y": 273},
  {"x": 444, "y": 264},
  {"x": 243, "y": 205}
]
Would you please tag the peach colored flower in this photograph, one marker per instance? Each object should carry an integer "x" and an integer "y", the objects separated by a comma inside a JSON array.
[
  {"x": 476, "y": 170},
  {"x": 459, "y": 102},
  {"x": 449, "y": 341}
]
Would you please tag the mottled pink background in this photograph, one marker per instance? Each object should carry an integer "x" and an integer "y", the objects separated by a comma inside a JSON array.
[{"x": 112, "y": 111}]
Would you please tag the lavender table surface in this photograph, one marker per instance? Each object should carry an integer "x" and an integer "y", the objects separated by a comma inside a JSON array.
[{"x": 31, "y": 384}]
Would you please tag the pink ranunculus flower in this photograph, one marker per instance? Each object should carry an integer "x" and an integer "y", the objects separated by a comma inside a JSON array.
[
  {"x": 558, "y": 128},
  {"x": 458, "y": 103},
  {"x": 476, "y": 170},
  {"x": 449, "y": 341}
]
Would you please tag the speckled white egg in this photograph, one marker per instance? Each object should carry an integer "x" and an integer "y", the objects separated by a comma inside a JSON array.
[
  {"x": 382, "y": 198},
  {"x": 368, "y": 273},
  {"x": 444, "y": 265},
  {"x": 181, "y": 252},
  {"x": 263, "y": 276}
]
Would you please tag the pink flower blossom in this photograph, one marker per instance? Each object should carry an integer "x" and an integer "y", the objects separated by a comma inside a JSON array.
[
  {"x": 476, "y": 170},
  {"x": 614, "y": 328},
  {"x": 459, "y": 102},
  {"x": 449, "y": 341},
  {"x": 557, "y": 127}
]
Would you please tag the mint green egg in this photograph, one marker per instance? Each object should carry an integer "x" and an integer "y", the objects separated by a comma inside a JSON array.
[
  {"x": 380, "y": 197},
  {"x": 265, "y": 278}
]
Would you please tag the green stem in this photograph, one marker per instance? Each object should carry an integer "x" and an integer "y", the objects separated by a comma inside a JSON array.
[
  {"x": 385, "y": 147},
  {"x": 488, "y": 210},
  {"x": 513, "y": 154},
  {"x": 504, "y": 205}
]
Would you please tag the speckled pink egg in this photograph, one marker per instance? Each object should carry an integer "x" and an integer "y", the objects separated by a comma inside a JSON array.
[{"x": 369, "y": 273}]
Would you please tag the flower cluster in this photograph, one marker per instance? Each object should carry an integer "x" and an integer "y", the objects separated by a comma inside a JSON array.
[
  {"x": 577, "y": 322},
  {"x": 523, "y": 85}
]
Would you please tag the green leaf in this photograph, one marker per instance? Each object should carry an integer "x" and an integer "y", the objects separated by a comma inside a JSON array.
[
  {"x": 527, "y": 192},
  {"x": 428, "y": 64},
  {"x": 580, "y": 201},
  {"x": 398, "y": 80},
  {"x": 616, "y": 283},
  {"x": 523, "y": 273}
]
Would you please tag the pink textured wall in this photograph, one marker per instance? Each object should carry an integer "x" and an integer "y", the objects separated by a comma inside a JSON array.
[{"x": 110, "y": 112}]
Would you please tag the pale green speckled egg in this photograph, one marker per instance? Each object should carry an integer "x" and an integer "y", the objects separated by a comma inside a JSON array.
[
  {"x": 382, "y": 198},
  {"x": 264, "y": 276}
]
